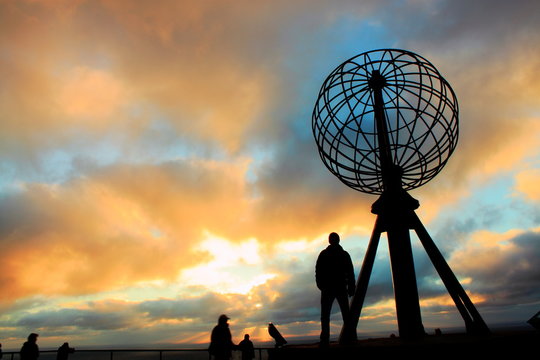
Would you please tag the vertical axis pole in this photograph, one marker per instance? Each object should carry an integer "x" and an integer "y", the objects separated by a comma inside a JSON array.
[
  {"x": 377, "y": 82},
  {"x": 404, "y": 281},
  {"x": 399, "y": 242}
]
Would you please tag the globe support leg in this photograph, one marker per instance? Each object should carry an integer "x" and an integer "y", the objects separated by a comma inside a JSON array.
[
  {"x": 348, "y": 331},
  {"x": 409, "y": 322},
  {"x": 474, "y": 323}
]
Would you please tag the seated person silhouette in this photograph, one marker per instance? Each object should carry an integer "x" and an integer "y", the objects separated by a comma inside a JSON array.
[{"x": 334, "y": 274}]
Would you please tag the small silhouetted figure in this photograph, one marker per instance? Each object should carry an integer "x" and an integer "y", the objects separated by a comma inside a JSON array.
[
  {"x": 274, "y": 333},
  {"x": 221, "y": 344},
  {"x": 334, "y": 274},
  {"x": 30, "y": 349},
  {"x": 64, "y": 351},
  {"x": 0, "y": 351},
  {"x": 246, "y": 346}
]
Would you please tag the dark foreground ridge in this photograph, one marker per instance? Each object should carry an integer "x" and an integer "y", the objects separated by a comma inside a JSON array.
[{"x": 518, "y": 344}]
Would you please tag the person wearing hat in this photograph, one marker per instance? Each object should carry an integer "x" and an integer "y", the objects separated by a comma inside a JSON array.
[
  {"x": 30, "y": 349},
  {"x": 221, "y": 344}
]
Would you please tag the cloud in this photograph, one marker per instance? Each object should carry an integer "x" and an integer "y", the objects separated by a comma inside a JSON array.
[
  {"x": 113, "y": 230},
  {"x": 527, "y": 183},
  {"x": 110, "y": 228},
  {"x": 206, "y": 307},
  {"x": 75, "y": 318},
  {"x": 90, "y": 93},
  {"x": 191, "y": 63},
  {"x": 131, "y": 131},
  {"x": 502, "y": 266},
  {"x": 80, "y": 68}
]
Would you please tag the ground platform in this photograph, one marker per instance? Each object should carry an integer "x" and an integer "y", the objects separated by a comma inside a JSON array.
[{"x": 512, "y": 345}]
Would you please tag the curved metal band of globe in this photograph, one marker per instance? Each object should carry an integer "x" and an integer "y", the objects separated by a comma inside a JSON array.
[
  {"x": 420, "y": 101},
  {"x": 385, "y": 125}
]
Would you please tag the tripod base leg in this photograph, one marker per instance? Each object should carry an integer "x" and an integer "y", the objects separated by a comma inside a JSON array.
[
  {"x": 348, "y": 331},
  {"x": 473, "y": 321},
  {"x": 407, "y": 305}
]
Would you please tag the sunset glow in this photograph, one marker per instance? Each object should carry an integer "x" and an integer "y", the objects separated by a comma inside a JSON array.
[{"x": 158, "y": 167}]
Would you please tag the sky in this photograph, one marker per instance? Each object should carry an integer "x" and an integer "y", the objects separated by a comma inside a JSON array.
[{"x": 158, "y": 168}]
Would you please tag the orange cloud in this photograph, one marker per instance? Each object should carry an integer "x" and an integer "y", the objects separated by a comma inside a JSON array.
[
  {"x": 91, "y": 94},
  {"x": 488, "y": 251},
  {"x": 111, "y": 231},
  {"x": 527, "y": 183},
  {"x": 126, "y": 224},
  {"x": 176, "y": 60},
  {"x": 498, "y": 126}
]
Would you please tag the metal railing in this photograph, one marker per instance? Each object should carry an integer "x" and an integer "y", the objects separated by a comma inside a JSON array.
[{"x": 122, "y": 353}]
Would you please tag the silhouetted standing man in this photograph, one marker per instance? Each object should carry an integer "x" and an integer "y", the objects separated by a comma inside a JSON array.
[
  {"x": 30, "y": 349},
  {"x": 246, "y": 346},
  {"x": 334, "y": 274},
  {"x": 221, "y": 344}
]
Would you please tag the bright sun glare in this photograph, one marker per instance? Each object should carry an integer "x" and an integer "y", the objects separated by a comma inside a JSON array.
[{"x": 234, "y": 268}]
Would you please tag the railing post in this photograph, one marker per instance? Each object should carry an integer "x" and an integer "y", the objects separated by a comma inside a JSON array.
[
  {"x": 111, "y": 355},
  {"x": 160, "y": 354}
]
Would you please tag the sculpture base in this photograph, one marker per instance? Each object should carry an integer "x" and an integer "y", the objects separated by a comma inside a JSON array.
[{"x": 514, "y": 343}]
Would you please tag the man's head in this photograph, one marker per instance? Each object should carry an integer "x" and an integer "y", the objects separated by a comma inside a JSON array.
[
  {"x": 33, "y": 337},
  {"x": 222, "y": 320},
  {"x": 333, "y": 238}
]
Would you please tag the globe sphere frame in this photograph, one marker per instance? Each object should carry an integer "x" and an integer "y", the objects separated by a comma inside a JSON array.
[{"x": 420, "y": 111}]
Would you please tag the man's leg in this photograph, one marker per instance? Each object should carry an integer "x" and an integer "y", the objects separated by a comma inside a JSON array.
[{"x": 327, "y": 298}]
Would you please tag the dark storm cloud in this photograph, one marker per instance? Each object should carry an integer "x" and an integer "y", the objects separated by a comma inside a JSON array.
[
  {"x": 513, "y": 275},
  {"x": 203, "y": 308},
  {"x": 298, "y": 302},
  {"x": 77, "y": 318}
]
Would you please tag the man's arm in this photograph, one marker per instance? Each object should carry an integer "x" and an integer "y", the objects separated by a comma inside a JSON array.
[
  {"x": 318, "y": 272},
  {"x": 351, "y": 287}
]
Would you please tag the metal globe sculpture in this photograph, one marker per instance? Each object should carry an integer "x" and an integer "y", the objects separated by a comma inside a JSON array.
[
  {"x": 420, "y": 127},
  {"x": 386, "y": 122}
]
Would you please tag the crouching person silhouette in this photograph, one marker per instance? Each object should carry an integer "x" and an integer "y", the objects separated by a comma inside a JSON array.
[{"x": 334, "y": 274}]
